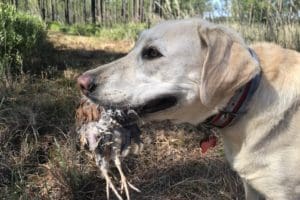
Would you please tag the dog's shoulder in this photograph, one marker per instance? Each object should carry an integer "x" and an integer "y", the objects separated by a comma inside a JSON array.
[{"x": 276, "y": 61}]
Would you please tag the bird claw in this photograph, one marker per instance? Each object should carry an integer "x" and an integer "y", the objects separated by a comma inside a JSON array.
[
  {"x": 124, "y": 183},
  {"x": 133, "y": 187},
  {"x": 109, "y": 185}
]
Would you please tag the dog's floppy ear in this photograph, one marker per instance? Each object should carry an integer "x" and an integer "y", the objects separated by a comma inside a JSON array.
[{"x": 227, "y": 64}]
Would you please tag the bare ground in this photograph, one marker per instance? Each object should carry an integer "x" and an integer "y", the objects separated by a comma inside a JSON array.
[{"x": 39, "y": 154}]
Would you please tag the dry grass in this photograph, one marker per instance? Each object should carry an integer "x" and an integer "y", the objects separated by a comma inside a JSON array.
[
  {"x": 286, "y": 35},
  {"x": 32, "y": 114},
  {"x": 40, "y": 159}
]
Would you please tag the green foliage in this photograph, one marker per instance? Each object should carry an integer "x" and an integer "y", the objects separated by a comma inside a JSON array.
[
  {"x": 116, "y": 32},
  {"x": 122, "y": 31},
  {"x": 54, "y": 26},
  {"x": 21, "y": 35}
]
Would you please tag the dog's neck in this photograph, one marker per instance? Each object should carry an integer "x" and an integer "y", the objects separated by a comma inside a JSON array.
[{"x": 235, "y": 108}]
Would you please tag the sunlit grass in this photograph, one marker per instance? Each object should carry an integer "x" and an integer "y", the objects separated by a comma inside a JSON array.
[{"x": 114, "y": 32}]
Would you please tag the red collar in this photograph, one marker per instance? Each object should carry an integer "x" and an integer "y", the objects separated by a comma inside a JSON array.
[{"x": 236, "y": 107}]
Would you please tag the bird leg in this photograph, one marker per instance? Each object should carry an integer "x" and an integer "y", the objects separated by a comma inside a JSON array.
[
  {"x": 133, "y": 187},
  {"x": 124, "y": 182},
  {"x": 109, "y": 184},
  {"x": 124, "y": 185}
]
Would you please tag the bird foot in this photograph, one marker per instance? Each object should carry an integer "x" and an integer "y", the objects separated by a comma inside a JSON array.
[{"x": 125, "y": 185}]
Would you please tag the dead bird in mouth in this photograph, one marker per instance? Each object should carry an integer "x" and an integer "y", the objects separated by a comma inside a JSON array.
[{"x": 110, "y": 135}]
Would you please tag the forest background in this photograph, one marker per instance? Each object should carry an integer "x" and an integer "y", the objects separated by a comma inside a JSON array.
[{"x": 46, "y": 44}]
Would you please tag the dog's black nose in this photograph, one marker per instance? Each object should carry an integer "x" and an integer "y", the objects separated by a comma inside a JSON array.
[{"x": 86, "y": 83}]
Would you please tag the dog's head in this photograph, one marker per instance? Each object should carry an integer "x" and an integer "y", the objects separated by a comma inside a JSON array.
[{"x": 181, "y": 70}]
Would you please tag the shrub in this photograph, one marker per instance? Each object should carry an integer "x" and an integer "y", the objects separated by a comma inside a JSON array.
[
  {"x": 54, "y": 26},
  {"x": 21, "y": 36}
]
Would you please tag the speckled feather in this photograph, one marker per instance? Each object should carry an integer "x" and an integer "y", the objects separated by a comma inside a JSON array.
[{"x": 109, "y": 139}]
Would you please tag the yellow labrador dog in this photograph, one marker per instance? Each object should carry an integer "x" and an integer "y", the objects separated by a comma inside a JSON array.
[{"x": 194, "y": 71}]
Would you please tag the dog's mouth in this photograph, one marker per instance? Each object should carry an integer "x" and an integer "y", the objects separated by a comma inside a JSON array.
[
  {"x": 157, "y": 104},
  {"x": 151, "y": 106}
]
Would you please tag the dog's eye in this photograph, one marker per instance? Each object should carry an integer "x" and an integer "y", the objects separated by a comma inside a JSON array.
[{"x": 151, "y": 53}]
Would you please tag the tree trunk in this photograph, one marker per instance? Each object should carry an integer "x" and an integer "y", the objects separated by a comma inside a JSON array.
[
  {"x": 99, "y": 11},
  {"x": 17, "y": 4},
  {"x": 39, "y": 4},
  {"x": 67, "y": 11},
  {"x": 102, "y": 10},
  {"x": 73, "y": 9},
  {"x": 43, "y": 10},
  {"x": 116, "y": 13},
  {"x": 161, "y": 8},
  {"x": 136, "y": 10},
  {"x": 132, "y": 10},
  {"x": 26, "y": 5},
  {"x": 84, "y": 11},
  {"x": 93, "y": 11},
  {"x": 123, "y": 10},
  {"x": 108, "y": 12},
  {"x": 149, "y": 16},
  {"x": 53, "y": 13},
  {"x": 141, "y": 10},
  {"x": 251, "y": 13},
  {"x": 56, "y": 9}
]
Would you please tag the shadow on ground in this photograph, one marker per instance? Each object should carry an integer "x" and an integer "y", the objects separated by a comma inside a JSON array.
[
  {"x": 55, "y": 61},
  {"x": 83, "y": 59},
  {"x": 206, "y": 179}
]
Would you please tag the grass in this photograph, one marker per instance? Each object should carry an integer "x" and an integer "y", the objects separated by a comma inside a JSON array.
[
  {"x": 115, "y": 32},
  {"x": 287, "y": 35},
  {"x": 31, "y": 116},
  {"x": 39, "y": 154}
]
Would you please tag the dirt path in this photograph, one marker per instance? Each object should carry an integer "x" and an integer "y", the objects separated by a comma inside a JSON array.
[
  {"x": 82, "y": 52},
  {"x": 67, "y": 42}
]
